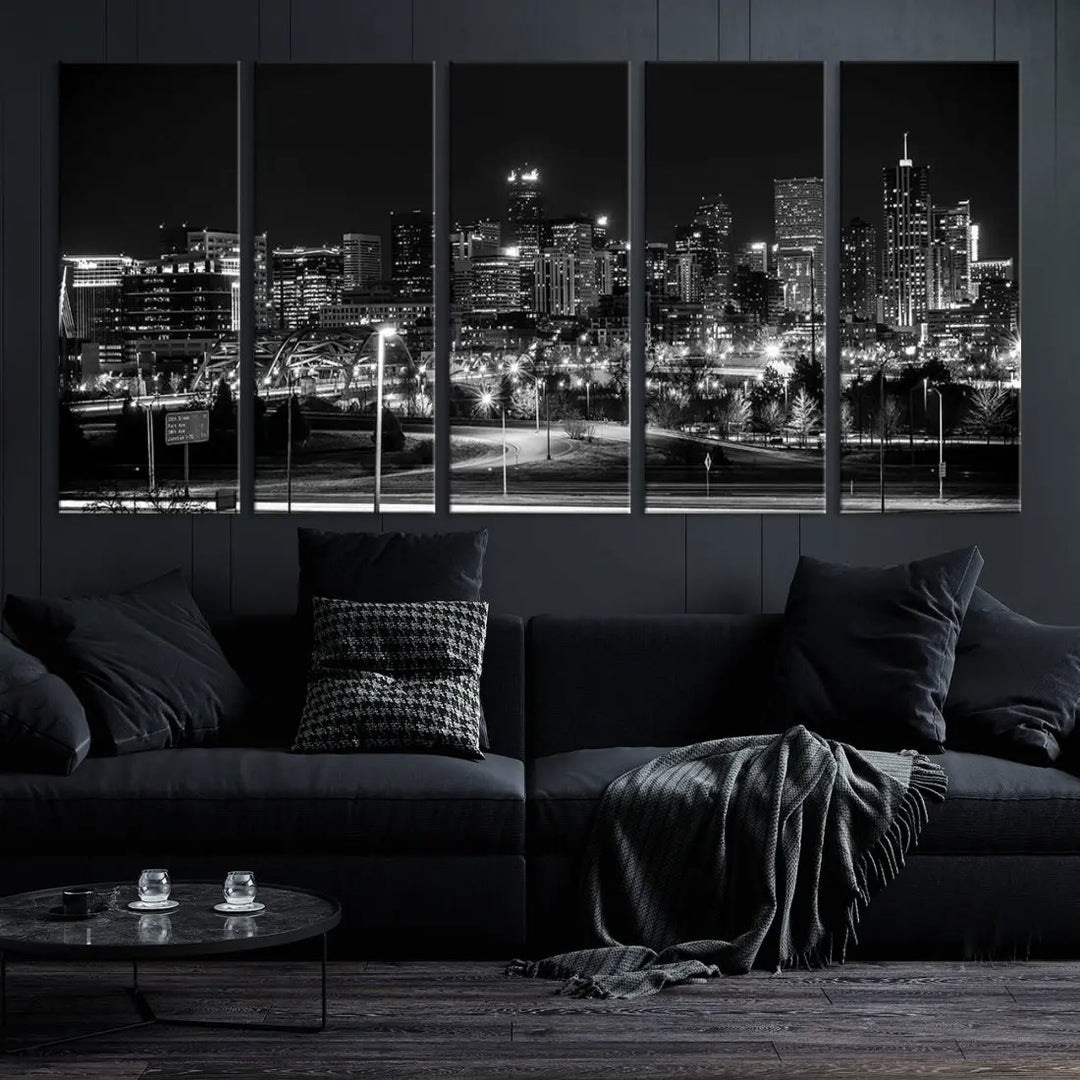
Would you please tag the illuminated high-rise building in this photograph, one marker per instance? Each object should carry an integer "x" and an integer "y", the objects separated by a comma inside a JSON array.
[
  {"x": 524, "y": 211},
  {"x": 905, "y": 259},
  {"x": 858, "y": 272},
  {"x": 94, "y": 292},
  {"x": 799, "y": 228},
  {"x": 574, "y": 236},
  {"x": 361, "y": 259},
  {"x": 754, "y": 255},
  {"x": 223, "y": 246},
  {"x": 656, "y": 259},
  {"x": 950, "y": 246},
  {"x": 412, "y": 253},
  {"x": 495, "y": 283},
  {"x": 709, "y": 238},
  {"x": 556, "y": 283},
  {"x": 306, "y": 280},
  {"x": 600, "y": 232}
]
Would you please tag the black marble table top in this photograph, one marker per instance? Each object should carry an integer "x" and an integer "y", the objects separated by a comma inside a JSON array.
[{"x": 192, "y": 929}]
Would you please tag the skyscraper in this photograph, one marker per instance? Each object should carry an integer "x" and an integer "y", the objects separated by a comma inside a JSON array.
[
  {"x": 524, "y": 211},
  {"x": 905, "y": 260},
  {"x": 709, "y": 238},
  {"x": 574, "y": 236},
  {"x": 223, "y": 247},
  {"x": 556, "y": 283},
  {"x": 858, "y": 272},
  {"x": 412, "y": 254},
  {"x": 361, "y": 255},
  {"x": 495, "y": 284},
  {"x": 799, "y": 227},
  {"x": 306, "y": 280},
  {"x": 950, "y": 255}
]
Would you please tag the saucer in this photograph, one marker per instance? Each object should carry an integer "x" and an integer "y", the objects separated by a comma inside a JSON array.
[
  {"x": 240, "y": 909},
  {"x": 67, "y": 916},
  {"x": 156, "y": 905}
]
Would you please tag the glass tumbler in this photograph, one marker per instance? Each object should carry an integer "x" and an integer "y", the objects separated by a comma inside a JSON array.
[
  {"x": 239, "y": 887},
  {"x": 154, "y": 886}
]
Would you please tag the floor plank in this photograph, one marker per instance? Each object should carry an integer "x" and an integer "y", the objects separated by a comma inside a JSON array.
[{"x": 426, "y": 1020}]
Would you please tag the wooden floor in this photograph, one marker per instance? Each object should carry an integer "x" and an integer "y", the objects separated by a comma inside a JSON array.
[{"x": 468, "y": 1020}]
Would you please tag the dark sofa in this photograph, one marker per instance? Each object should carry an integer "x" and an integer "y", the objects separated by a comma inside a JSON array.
[{"x": 440, "y": 856}]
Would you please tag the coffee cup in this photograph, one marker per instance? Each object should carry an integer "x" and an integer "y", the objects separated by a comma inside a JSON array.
[{"x": 78, "y": 901}]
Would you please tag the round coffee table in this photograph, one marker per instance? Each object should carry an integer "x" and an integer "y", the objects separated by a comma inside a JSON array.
[{"x": 193, "y": 929}]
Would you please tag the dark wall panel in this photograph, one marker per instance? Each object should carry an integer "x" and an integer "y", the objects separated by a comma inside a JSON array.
[
  {"x": 103, "y": 553},
  {"x": 871, "y": 30},
  {"x": 275, "y": 18},
  {"x": 723, "y": 563},
  {"x": 202, "y": 31},
  {"x": 21, "y": 403},
  {"x": 688, "y": 30},
  {"x": 351, "y": 30},
  {"x": 535, "y": 30}
]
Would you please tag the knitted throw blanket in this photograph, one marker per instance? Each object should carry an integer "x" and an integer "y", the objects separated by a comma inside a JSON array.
[{"x": 759, "y": 850}]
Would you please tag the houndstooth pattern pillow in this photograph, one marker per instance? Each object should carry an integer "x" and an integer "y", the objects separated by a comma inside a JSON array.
[{"x": 388, "y": 677}]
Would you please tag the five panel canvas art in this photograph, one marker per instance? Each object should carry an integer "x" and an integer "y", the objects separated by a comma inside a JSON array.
[{"x": 743, "y": 324}]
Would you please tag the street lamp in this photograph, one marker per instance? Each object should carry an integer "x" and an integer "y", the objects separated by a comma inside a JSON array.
[
  {"x": 380, "y": 365},
  {"x": 487, "y": 403},
  {"x": 515, "y": 370},
  {"x": 940, "y": 437}
]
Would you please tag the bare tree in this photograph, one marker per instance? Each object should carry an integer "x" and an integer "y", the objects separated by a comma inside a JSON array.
[
  {"x": 989, "y": 413},
  {"x": 805, "y": 416}
]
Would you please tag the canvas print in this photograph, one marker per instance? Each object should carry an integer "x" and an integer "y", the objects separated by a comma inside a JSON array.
[
  {"x": 344, "y": 327},
  {"x": 930, "y": 361},
  {"x": 736, "y": 287},
  {"x": 540, "y": 337},
  {"x": 148, "y": 288}
]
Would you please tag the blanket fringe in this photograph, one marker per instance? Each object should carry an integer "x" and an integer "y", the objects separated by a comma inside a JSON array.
[{"x": 882, "y": 863}]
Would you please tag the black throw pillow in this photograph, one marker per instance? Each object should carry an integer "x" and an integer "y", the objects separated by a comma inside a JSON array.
[
  {"x": 43, "y": 726},
  {"x": 143, "y": 663},
  {"x": 866, "y": 653},
  {"x": 1016, "y": 685},
  {"x": 391, "y": 567},
  {"x": 395, "y": 677}
]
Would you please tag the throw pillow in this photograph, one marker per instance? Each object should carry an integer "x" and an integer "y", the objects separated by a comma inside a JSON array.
[
  {"x": 143, "y": 663},
  {"x": 43, "y": 727},
  {"x": 866, "y": 653},
  {"x": 391, "y": 567},
  {"x": 402, "y": 677},
  {"x": 1016, "y": 685}
]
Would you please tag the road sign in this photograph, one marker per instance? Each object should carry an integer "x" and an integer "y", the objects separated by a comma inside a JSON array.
[
  {"x": 190, "y": 426},
  {"x": 708, "y": 461},
  {"x": 941, "y": 470}
]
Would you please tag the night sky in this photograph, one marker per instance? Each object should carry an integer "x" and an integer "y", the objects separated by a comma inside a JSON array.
[
  {"x": 338, "y": 147},
  {"x": 963, "y": 121},
  {"x": 728, "y": 129},
  {"x": 142, "y": 145},
  {"x": 568, "y": 120}
]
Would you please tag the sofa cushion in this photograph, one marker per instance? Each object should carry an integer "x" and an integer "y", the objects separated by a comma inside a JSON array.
[
  {"x": 43, "y": 725},
  {"x": 1016, "y": 684},
  {"x": 144, "y": 664},
  {"x": 993, "y": 806},
  {"x": 564, "y": 791},
  {"x": 265, "y": 650},
  {"x": 867, "y": 652},
  {"x": 1003, "y": 807},
  {"x": 223, "y": 800},
  {"x": 624, "y": 680},
  {"x": 389, "y": 567}
]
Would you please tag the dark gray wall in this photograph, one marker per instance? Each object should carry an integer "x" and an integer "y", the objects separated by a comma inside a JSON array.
[{"x": 550, "y": 563}]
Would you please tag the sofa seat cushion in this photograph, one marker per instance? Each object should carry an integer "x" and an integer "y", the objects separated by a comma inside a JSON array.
[
  {"x": 1001, "y": 807},
  {"x": 564, "y": 791},
  {"x": 994, "y": 806},
  {"x": 254, "y": 800}
]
